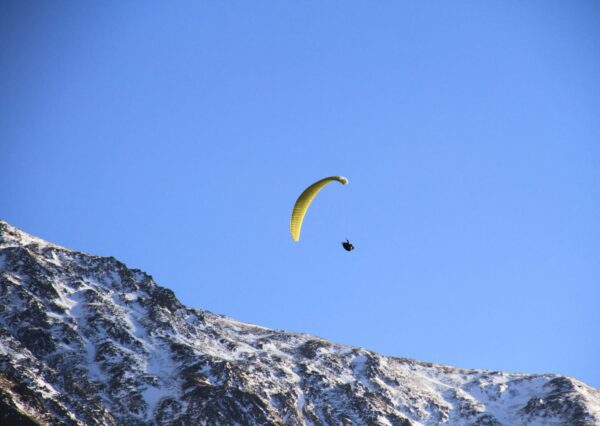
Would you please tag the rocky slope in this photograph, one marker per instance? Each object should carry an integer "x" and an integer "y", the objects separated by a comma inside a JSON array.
[{"x": 84, "y": 340}]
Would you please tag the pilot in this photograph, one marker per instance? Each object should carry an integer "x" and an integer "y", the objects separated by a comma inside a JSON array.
[{"x": 347, "y": 245}]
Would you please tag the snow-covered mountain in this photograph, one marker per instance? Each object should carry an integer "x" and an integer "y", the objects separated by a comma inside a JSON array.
[{"x": 84, "y": 340}]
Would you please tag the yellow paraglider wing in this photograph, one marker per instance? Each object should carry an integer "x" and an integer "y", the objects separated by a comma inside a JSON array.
[{"x": 304, "y": 200}]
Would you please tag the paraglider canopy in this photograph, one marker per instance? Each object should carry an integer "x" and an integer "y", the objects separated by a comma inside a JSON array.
[{"x": 304, "y": 200}]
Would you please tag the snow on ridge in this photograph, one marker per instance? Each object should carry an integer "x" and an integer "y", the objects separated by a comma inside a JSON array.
[
  {"x": 120, "y": 349},
  {"x": 11, "y": 236}
]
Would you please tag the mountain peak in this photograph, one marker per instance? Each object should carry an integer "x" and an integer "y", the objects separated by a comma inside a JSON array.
[
  {"x": 11, "y": 236},
  {"x": 86, "y": 340}
]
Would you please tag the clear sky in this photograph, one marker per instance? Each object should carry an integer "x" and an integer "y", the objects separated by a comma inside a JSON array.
[{"x": 176, "y": 136}]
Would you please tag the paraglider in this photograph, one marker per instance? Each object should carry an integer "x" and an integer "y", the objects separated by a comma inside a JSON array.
[
  {"x": 347, "y": 245},
  {"x": 303, "y": 203}
]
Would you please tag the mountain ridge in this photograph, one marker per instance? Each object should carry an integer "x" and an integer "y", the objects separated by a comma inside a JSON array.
[{"x": 86, "y": 340}]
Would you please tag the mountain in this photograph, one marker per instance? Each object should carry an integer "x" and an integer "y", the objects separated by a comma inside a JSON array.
[{"x": 84, "y": 340}]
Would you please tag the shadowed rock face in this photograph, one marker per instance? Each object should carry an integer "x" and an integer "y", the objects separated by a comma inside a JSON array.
[{"x": 84, "y": 340}]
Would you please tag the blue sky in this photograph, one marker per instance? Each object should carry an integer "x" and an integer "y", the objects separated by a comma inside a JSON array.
[{"x": 176, "y": 137}]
